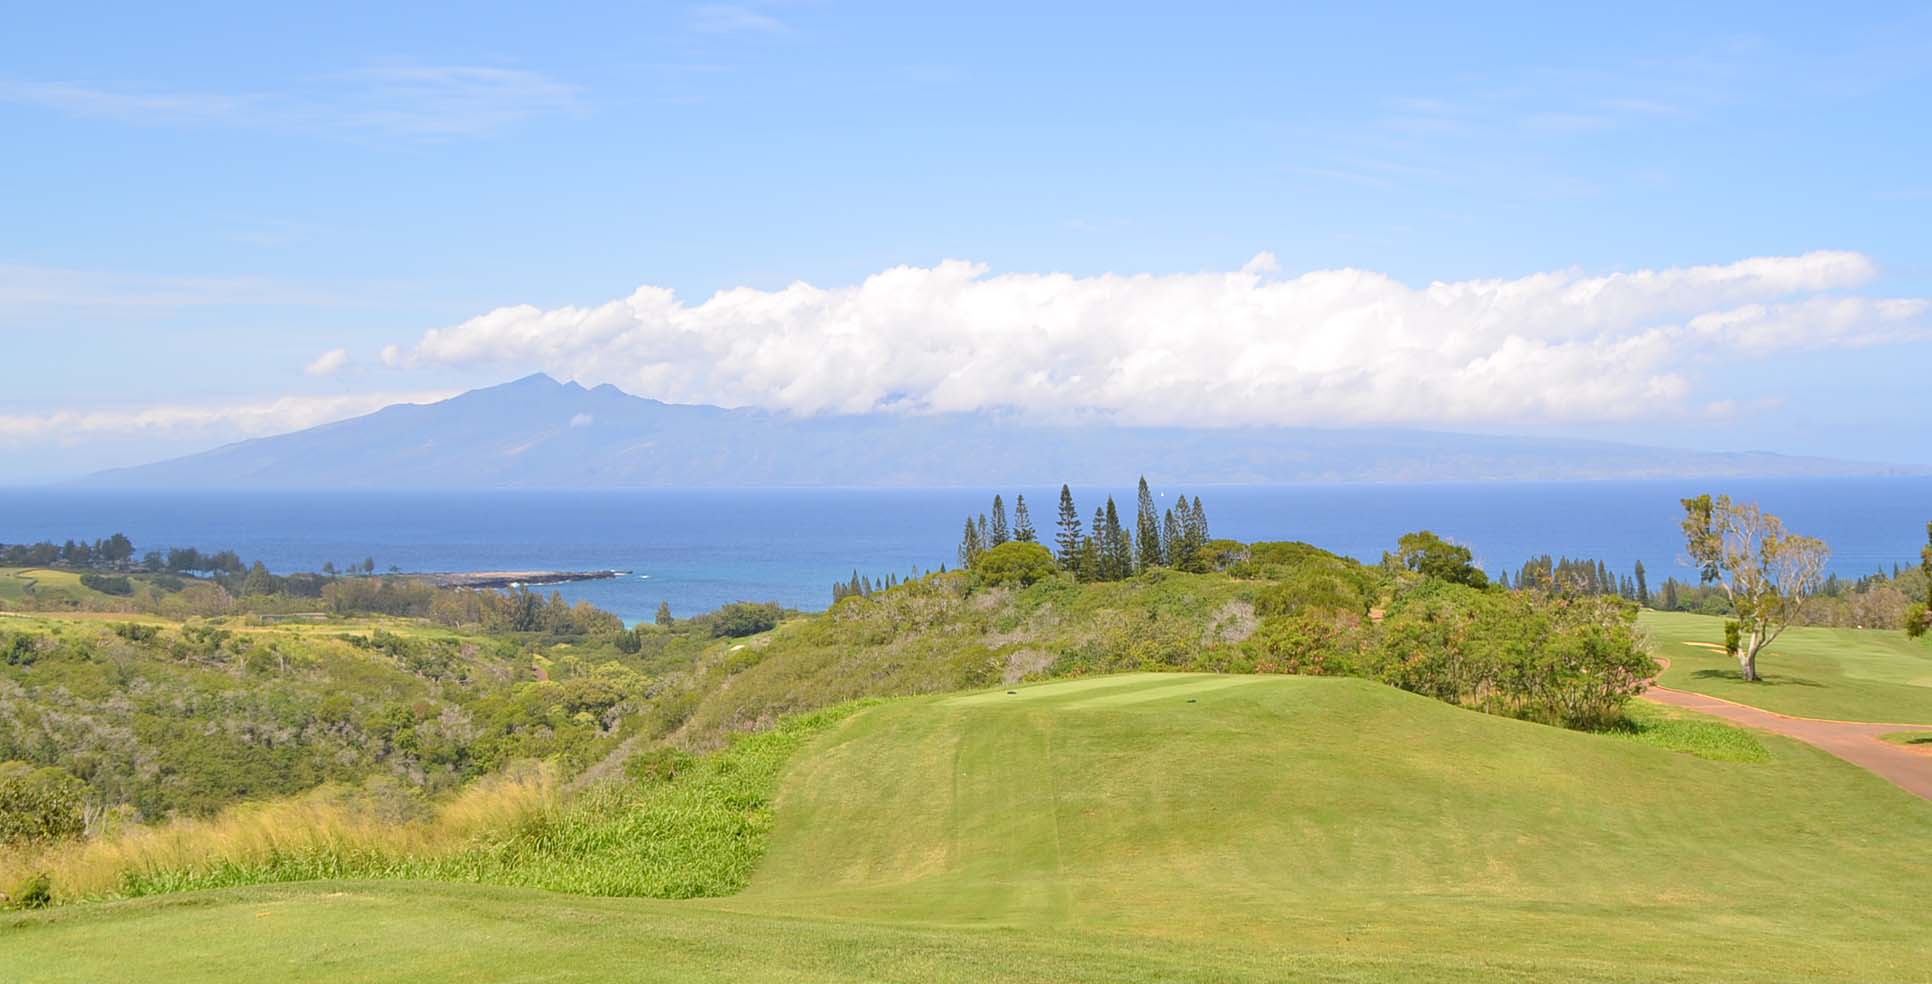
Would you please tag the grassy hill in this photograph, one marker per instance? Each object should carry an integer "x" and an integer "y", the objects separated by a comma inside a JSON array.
[
  {"x": 1161, "y": 827},
  {"x": 1846, "y": 674}
]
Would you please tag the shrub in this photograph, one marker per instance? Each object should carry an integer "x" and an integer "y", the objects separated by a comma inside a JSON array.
[
  {"x": 39, "y": 805},
  {"x": 36, "y": 892},
  {"x": 743, "y": 618},
  {"x": 1014, "y": 563},
  {"x": 115, "y": 584},
  {"x": 1572, "y": 662},
  {"x": 136, "y": 631},
  {"x": 659, "y": 765}
]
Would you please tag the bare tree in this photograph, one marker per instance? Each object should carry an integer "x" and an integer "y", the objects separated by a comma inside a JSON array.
[{"x": 1766, "y": 572}]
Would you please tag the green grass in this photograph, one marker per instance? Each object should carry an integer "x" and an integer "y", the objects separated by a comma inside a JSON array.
[
  {"x": 1910, "y": 738},
  {"x": 1690, "y": 732},
  {"x": 1844, "y": 674},
  {"x": 1159, "y": 827},
  {"x": 21, "y": 583}
]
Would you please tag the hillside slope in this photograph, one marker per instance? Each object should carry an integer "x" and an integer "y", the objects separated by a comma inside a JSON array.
[{"x": 1168, "y": 827}]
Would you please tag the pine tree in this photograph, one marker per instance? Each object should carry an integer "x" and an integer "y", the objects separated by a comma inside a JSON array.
[
  {"x": 1147, "y": 528},
  {"x": 969, "y": 547},
  {"x": 1173, "y": 544},
  {"x": 1088, "y": 563},
  {"x": 985, "y": 534},
  {"x": 664, "y": 613},
  {"x": 1103, "y": 547},
  {"x": 1503, "y": 580},
  {"x": 1068, "y": 538},
  {"x": 1643, "y": 586},
  {"x": 999, "y": 533},
  {"x": 1194, "y": 528},
  {"x": 1670, "y": 594},
  {"x": 1022, "y": 523},
  {"x": 1604, "y": 584},
  {"x": 1120, "y": 544}
]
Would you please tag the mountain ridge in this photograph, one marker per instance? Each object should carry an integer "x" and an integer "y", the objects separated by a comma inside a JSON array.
[{"x": 536, "y": 432}]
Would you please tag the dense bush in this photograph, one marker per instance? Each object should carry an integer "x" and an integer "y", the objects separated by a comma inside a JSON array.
[
  {"x": 1014, "y": 563},
  {"x": 743, "y": 618},
  {"x": 1573, "y": 662},
  {"x": 40, "y": 805},
  {"x": 111, "y": 584}
]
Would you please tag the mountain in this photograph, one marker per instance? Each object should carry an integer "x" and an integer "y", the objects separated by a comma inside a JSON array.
[{"x": 540, "y": 433}]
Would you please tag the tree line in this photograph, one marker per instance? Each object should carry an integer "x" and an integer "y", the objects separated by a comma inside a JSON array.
[{"x": 1107, "y": 550}]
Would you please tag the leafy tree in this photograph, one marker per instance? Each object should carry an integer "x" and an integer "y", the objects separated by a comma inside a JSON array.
[
  {"x": 259, "y": 581},
  {"x": 1022, "y": 522},
  {"x": 1147, "y": 529},
  {"x": 1015, "y": 563},
  {"x": 999, "y": 532},
  {"x": 368, "y": 565},
  {"x": 664, "y": 613},
  {"x": 1765, "y": 571},
  {"x": 117, "y": 549},
  {"x": 1068, "y": 538},
  {"x": 1432, "y": 556}
]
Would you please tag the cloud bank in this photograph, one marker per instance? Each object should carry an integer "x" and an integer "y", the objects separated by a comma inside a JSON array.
[
  {"x": 206, "y": 423},
  {"x": 1330, "y": 347}
]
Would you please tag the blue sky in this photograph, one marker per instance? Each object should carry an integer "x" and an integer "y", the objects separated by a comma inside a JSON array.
[{"x": 219, "y": 217}]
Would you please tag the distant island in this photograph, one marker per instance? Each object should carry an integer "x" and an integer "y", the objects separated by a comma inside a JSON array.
[{"x": 537, "y": 432}]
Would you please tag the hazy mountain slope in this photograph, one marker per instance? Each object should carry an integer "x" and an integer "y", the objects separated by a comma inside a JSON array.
[{"x": 539, "y": 433}]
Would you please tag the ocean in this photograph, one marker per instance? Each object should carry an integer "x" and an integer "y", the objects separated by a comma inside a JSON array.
[{"x": 698, "y": 549}]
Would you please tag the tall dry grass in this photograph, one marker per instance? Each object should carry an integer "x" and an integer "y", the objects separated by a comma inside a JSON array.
[{"x": 330, "y": 832}]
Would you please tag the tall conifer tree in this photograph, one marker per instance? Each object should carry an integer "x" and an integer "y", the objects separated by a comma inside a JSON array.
[
  {"x": 969, "y": 546},
  {"x": 1643, "y": 586},
  {"x": 1120, "y": 545},
  {"x": 1068, "y": 538},
  {"x": 999, "y": 532},
  {"x": 1147, "y": 528},
  {"x": 1022, "y": 522},
  {"x": 1173, "y": 543},
  {"x": 1103, "y": 546}
]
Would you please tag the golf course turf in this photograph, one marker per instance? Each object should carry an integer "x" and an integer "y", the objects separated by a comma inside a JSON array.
[
  {"x": 1840, "y": 674},
  {"x": 1159, "y": 827}
]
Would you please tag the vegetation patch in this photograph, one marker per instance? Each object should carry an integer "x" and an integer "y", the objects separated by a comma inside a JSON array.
[
  {"x": 678, "y": 827},
  {"x": 1695, "y": 734}
]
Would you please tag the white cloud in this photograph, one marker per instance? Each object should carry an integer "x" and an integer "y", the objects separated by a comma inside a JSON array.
[
  {"x": 328, "y": 363},
  {"x": 208, "y": 422},
  {"x": 407, "y": 100},
  {"x": 29, "y": 291},
  {"x": 725, "y": 18},
  {"x": 1338, "y": 347}
]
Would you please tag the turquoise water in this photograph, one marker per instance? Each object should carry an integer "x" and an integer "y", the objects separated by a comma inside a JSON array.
[{"x": 700, "y": 549}]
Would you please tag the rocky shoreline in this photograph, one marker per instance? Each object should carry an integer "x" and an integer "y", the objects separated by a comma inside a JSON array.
[{"x": 511, "y": 579}]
